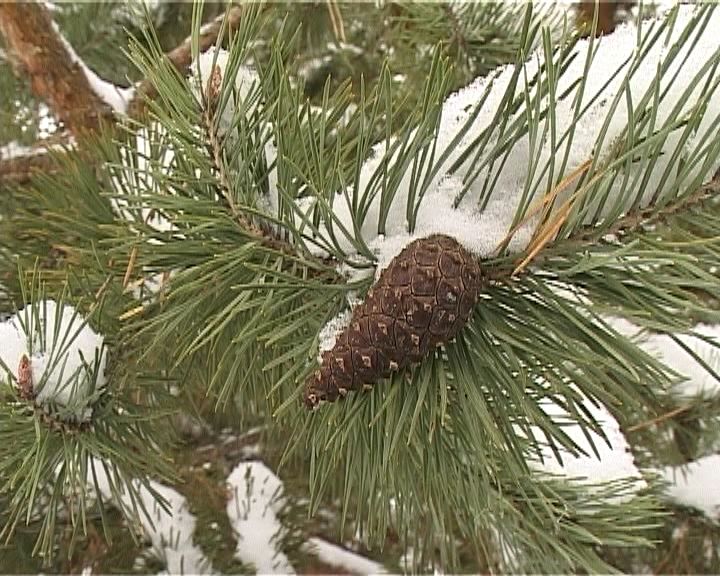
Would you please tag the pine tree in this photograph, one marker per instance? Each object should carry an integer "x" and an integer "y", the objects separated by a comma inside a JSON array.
[{"x": 464, "y": 225}]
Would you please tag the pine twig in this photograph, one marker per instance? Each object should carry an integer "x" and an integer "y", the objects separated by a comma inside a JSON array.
[
  {"x": 627, "y": 224},
  {"x": 651, "y": 215},
  {"x": 215, "y": 149},
  {"x": 659, "y": 419},
  {"x": 18, "y": 170},
  {"x": 181, "y": 57},
  {"x": 27, "y": 394}
]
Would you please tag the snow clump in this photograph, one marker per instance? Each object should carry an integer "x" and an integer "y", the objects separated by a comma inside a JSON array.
[{"x": 66, "y": 356}]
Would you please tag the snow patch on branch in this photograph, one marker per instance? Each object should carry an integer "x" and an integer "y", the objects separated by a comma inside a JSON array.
[
  {"x": 67, "y": 358},
  {"x": 15, "y": 150},
  {"x": 247, "y": 99},
  {"x": 695, "y": 378},
  {"x": 255, "y": 501},
  {"x": 696, "y": 485},
  {"x": 171, "y": 532},
  {"x": 613, "y": 462},
  {"x": 339, "y": 557},
  {"x": 135, "y": 179},
  {"x": 246, "y": 83},
  {"x": 481, "y": 230},
  {"x": 114, "y": 96}
]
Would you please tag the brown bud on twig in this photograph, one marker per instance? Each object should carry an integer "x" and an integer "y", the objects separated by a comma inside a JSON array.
[
  {"x": 421, "y": 300},
  {"x": 25, "y": 381},
  {"x": 212, "y": 90}
]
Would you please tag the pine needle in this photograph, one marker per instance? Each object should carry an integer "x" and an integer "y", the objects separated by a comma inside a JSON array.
[
  {"x": 336, "y": 20},
  {"x": 545, "y": 201},
  {"x": 132, "y": 312},
  {"x": 130, "y": 266}
]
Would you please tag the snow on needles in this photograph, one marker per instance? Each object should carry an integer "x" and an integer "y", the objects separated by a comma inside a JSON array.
[
  {"x": 171, "y": 532},
  {"x": 246, "y": 82},
  {"x": 255, "y": 500},
  {"x": 615, "y": 461},
  {"x": 482, "y": 230},
  {"x": 247, "y": 97},
  {"x": 695, "y": 379},
  {"x": 67, "y": 358},
  {"x": 696, "y": 485}
]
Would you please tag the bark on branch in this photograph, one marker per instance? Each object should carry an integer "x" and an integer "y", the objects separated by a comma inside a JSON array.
[
  {"x": 35, "y": 48},
  {"x": 18, "y": 170},
  {"x": 56, "y": 78}
]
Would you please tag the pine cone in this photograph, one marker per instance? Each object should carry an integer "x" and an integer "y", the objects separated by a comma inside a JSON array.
[{"x": 421, "y": 300}]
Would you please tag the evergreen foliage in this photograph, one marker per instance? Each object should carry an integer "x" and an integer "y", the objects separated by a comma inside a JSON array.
[{"x": 213, "y": 292}]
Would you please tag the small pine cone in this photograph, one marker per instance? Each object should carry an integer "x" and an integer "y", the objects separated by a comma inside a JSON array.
[{"x": 421, "y": 300}]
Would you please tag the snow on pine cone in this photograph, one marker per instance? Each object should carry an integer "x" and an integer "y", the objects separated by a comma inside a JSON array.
[{"x": 421, "y": 300}]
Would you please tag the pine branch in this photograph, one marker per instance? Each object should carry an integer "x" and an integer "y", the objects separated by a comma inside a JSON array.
[
  {"x": 181, "y": 56},
  {"x": 20, "y": 170},
  {"x": 36, "y": 49},
  {"x": 217, "y": 154},
  {"x": 649, "y": 216},
  {"x": 588, "y": 236}
]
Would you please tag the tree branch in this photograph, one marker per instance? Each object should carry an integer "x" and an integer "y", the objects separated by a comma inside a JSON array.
[
  {"x": 181, "y": 57},
  {"x": 19, "y": 170},
  {"x": 35, "y": 48}
]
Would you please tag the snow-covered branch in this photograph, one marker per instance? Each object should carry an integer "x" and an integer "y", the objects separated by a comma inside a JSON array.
[
  {"x": 78, "y": 96},
  {"x": 580, "y": 128},
  {"x": 37, "y": 50}
]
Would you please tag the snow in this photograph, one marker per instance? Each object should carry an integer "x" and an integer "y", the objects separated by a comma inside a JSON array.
[
  {"x": 615, "y": 460},
  {"x": 14, "y": 150},
  {"x": 481, "y": 231},
  {"x": 696, "y": 485},
  {"x": 696, "y": 379},
  {"x": 171, "y": 533},
  {"x": 343, "y": 559},
  {"x": 62, "y": 356},
  {"x": 332, "y": 330},
  {"x": 255, "y": 500},
  {"x": 247, "y": 84},
  {"x": 137, "y": 178},
  {"x": 247, "y": 94},
  {"x": 114, "y": 96},
  {"x": 47, "y": 125}
]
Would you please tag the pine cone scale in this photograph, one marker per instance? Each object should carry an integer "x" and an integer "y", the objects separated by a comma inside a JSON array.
[{"x": 421, "y": 300}]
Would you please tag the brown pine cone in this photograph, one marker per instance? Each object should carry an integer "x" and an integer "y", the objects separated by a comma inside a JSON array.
[{"x": 421, "y": 300}]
